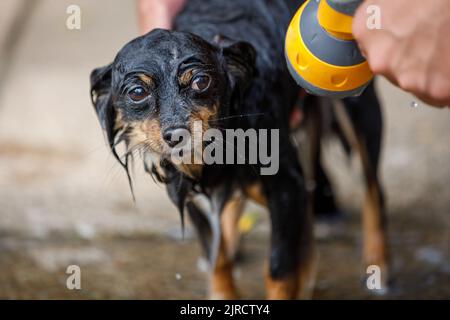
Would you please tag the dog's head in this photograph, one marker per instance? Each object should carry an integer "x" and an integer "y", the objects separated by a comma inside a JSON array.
[{"x": 164, "y": 82}]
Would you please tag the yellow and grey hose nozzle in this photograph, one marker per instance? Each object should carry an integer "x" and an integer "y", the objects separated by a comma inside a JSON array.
[{"x": 322, "y": 55}]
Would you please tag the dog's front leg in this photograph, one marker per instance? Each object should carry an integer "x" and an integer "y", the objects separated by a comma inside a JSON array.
[
  {"x": 291, "y": 267},
  {"x": 219, "y": 240},
  {"x": 222, "y": 280}
]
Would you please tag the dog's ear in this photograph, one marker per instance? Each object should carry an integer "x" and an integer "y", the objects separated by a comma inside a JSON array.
[
  {"x": 101, "y": 82},
  {"x": 240, "y": 58},
  {"x": 102, "y": 101},
  {"x": 101, "y": 94}
]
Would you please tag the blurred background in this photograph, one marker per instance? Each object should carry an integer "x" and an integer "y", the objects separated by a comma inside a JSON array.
[{"x": 64, "y": 200}]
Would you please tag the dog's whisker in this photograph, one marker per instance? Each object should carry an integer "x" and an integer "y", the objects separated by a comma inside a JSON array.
[
  {"x": 134, "y": 150},
  {"x": 130, "y": 153},
  {"x": 239, "y": 116}
]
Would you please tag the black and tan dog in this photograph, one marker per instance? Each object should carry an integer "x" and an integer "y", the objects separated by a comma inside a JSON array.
[{"x": 224, "y": 65}]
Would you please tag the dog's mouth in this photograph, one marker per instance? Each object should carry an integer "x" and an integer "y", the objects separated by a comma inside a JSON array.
[
  {"x": 187, "y": 160},
  {"x": 180, "y": 146}
]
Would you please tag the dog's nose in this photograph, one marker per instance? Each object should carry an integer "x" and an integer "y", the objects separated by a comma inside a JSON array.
[{"x": 173, "y": 136}]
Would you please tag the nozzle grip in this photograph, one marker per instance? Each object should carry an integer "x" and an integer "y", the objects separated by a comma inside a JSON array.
[{"x": 347, "y": 7}]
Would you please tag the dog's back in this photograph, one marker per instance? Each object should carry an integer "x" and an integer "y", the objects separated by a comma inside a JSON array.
[{"x": 262, "y": 23}]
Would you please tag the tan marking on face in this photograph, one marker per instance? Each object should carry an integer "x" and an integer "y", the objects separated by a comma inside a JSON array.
[
  {"x": 186, "y": 77},
  {"x": 146, "y": 79},
  {"x": 203, "y": 114},
  {"x": 119, "y": 123},
  {"x": 148, "y": 133},
  {"x": 192, "y": 170}
]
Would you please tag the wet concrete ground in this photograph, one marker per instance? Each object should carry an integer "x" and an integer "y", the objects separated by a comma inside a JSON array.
[
  {"x": 158, "y": 267},
  {"x": 64, "y": 200}
]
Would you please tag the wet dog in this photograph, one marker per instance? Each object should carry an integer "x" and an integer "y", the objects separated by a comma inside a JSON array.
[{"x": 223, "y": 66}]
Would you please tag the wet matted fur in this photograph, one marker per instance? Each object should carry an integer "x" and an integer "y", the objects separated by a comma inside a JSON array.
[{"x": 224, "y": 65}]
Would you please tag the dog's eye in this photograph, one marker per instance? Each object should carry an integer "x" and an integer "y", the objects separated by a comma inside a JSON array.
[
  {"x": 200, "y": 83},
  {"x": 138, "y": 94}
]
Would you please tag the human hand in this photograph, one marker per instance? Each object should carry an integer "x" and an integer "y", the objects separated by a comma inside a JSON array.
[
  {"x": 157, "y": 13},
  {"x": 412, "y": 48}
]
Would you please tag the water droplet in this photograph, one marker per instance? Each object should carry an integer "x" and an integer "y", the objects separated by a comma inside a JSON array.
[
  {"x": 177, "y": 276},
  {"x": 414, "y": 104}
]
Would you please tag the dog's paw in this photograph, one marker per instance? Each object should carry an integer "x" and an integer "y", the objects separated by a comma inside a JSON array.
[{"x": 223, "y": 288}]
